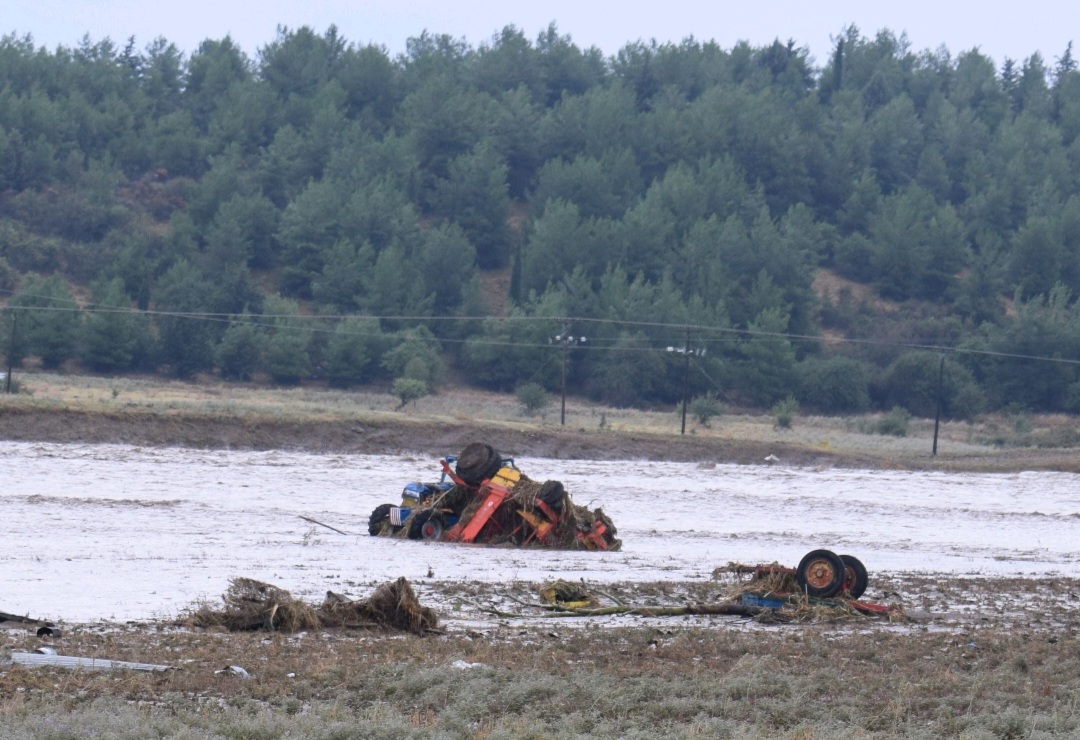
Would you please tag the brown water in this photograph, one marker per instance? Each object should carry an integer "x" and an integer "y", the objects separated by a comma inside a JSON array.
[{"x": 118, "y": 532}]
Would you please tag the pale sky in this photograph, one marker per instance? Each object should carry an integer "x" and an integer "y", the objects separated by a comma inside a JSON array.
[{"x": 999, "y": 29}]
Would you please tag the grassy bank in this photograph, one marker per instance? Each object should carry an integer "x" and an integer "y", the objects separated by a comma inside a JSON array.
[{"x": 206, "y": 413}]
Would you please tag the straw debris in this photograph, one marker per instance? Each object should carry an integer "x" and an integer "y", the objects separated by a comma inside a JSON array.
[
  {"x": 390, "y": 605},
  {"x": 254, "y": 605}
]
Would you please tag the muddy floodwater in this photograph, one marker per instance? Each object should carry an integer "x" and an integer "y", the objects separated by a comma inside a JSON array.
[{"x": 105, "y": 532}]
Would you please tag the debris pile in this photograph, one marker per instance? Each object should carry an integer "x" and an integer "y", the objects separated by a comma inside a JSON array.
[
  {"x": 485, "y": 498},
  {"x": 776, "y": 591},
  {"x": 772, "y": 594},
  {"x": 254, "y": 605},
  {"x": 391, "y": 605}
]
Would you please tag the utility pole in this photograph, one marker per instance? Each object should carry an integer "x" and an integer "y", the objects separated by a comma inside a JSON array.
[
  {"x": 566, "y": 340},
  {"x": 11, "y": 351},
  {"x": 686, "y": 353},
  {"x": 940, "y": 393},
  {"x": 565, "y": 344},
  {"x": 686, "y": 381}
]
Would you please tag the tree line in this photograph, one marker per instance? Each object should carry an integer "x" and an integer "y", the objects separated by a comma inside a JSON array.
[{"x": 328, "y": 210}]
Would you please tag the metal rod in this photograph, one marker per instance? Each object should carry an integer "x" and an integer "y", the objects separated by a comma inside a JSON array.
[{"x": 316, "y": 521}]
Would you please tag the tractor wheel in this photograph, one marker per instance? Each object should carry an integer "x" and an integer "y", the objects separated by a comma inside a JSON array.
[
  {"x": 855, "y": 576},
  {"x": 426, "y": 525},
  {"x": 552, "y": 494},
  {"x": 379, "y": 516},
  {"x": 821, "y": 574},
  {"x": 477, "y": 462}
]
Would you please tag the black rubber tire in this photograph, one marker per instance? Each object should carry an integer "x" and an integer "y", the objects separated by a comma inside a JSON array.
[
  {"x": 552, "y": 493},
  {"x": 821, "y": 574},
  {"x": 855, "y": 576},
  {"x": 380, "y": 515},
  {"x": 477, "y": 462},
  {"x": 418, "y": 529}
]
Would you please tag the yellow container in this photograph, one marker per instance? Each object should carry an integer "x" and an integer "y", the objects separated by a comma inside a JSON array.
[{"x": 506, "y": 477}]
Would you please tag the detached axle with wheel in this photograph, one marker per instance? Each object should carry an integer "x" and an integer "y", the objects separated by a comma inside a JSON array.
[{"x": 821, "y": 574}]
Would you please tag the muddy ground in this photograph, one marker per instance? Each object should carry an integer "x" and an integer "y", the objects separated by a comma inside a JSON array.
[{"x": 409, "y": 434}]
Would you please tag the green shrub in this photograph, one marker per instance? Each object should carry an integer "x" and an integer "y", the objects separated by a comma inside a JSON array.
[
  {"x": 532, "y": 397},
  {"x": 835, "y": 384},
  {"x": 706, "y": 408},
  {"x": 894, "y": 423},
  {"x": 408, "y": 389},
  {"x": 784, "y": 412}
]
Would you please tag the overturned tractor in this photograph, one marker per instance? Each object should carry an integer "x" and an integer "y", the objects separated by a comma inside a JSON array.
[{"x": 482, "y": 497}]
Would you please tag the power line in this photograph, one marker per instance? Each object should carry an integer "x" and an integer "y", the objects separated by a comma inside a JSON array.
[{"x": 733, "y": 334}]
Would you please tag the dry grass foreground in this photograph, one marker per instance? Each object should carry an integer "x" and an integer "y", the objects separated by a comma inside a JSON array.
[
  {"x": 208, "y": 414},
  {"x": 985, "y": 659}
]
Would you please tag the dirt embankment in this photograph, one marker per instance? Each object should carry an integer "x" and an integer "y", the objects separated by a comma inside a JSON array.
[
  {"x": 393, "y": 435},
  {"x": 379, "y": 437}
]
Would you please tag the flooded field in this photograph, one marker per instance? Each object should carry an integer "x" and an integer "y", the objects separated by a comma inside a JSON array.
[{"x": 124, "y": 533}]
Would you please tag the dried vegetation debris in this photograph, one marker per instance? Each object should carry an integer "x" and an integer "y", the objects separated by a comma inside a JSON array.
[
  {"x": 777, "y": 585},
  {"x": 254, "y": 605},
  {"x": 560, "y": 599}
]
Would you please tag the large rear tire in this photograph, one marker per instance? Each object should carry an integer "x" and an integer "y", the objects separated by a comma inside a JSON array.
[
  {"x": 380, "y": 515},
  {"x": 821, "y": 574},
  {"x": 477, "y": 462}
]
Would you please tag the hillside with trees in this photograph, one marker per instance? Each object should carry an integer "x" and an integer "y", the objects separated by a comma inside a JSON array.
[{"x": 671, "y": 220}]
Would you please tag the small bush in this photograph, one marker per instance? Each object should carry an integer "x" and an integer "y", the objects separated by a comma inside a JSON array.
[
  {"x": 532, "y": 397},
  {"x": 408, "y": 389},
  {"x": 784, "y": 412},
  {"x": 894, "y": 423},
  {"x": 706, "y": 408}
]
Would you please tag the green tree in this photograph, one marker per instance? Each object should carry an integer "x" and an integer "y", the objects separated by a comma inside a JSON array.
[
  {"x": 215, "y": 72},
  {"x": 352, "y": 350},
  {"x": 239, "y": 354},
  {"x": 532, "y": 397},
  {"x": 558, "y": 242},
  {"x": 49, "y": 321},
  {"x": 599, "y": 187},
  {"x": 766, "y": 373},
  {"x": 446, "y": 264},
  {"x": 340, "y": 285},
  {"x": 309, "y": 227},
  {"x": 187, "y": 338},
  {"x": 112, "y": 333},
  {"x": 474, "y": 196},
  {"x": 913, "y": 379},
  {"x": 416, "y": 357},
  {"x": 394, "y": 287},
  {"x": 408, "y": 390},
  {"x": 286, "y": 355},
  {"x": 505, "y": 352},
  {"x": 835, "y": 384},
  {"x": 632, "y": 372}
]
